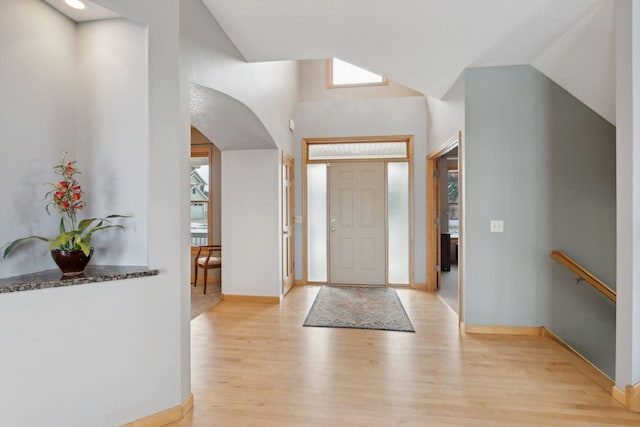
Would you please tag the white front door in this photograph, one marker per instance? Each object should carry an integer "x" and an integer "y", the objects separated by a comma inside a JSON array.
[{"x": 357, "y": 245}]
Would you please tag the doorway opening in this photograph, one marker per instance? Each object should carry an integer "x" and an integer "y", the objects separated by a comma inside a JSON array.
[
  {"x": 205, "y": 221},
  {"x": 358, "y": 210},
  {"x": 444, "y": 225}
]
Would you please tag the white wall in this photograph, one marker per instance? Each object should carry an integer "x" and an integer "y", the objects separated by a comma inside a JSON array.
[
  {"x": 108, "y": 353},
  {"x": 164, "y": 335},
  {"x": 446, "y": 115},
  {"x": 381, "y": 116},
  {"x": 627, "y": 193},
  {"x": 86, "y": 355},
  {"x": 251, "y": 222},
  {"x": 583, "y": 61},
  {"x": 113, "y": 134},
  {"x": 313, "y": 86},
  {"x": 227, "y": 121},
  {"x": 251, "y": 237},
  {"x": 37, "y": 82},
  {"x": 210, "y": 59}
]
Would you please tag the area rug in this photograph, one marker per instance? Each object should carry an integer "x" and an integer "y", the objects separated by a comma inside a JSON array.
[
  {"x": 201, "y": 302},
  {"x": 358, "y": 308}
]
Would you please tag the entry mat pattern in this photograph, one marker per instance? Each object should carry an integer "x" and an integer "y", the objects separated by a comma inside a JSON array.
[{"x": 358, "y": 307}]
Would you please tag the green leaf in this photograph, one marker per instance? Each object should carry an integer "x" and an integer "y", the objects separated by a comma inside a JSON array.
[
  {"x": 104, "y": 227},
  {"x": 84, "y": 246},
  {"x": 19, "y": 241},
  {"x": 73, "y": 239},
  {"x": 62, "y": 239},
  {"x": 85, "y": 223}
]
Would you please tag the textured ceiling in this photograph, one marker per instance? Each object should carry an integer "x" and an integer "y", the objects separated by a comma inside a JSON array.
[
  {"x": 227, "y": 122},
  {"x": 422, "y": 44}
]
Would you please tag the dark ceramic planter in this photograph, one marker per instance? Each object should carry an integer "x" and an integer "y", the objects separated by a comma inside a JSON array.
[{"x": 71, "y": 262}]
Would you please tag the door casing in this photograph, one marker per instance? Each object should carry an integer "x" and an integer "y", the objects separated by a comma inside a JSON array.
[
  {"x": 433, "y": 230},
  {"x": 306, "y": 142},
  {"x": 287, "y": 224}
]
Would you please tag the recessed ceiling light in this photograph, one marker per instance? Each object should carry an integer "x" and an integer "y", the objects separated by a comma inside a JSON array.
[{"x": 76, "y": 4}]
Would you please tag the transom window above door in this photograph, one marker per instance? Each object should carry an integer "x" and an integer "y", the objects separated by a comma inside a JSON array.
[
  {"x": 349, "y": 149},
  {"x": 359, "y": 150}
]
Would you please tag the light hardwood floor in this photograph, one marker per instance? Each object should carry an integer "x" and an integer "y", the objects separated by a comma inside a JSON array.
[
  {"x": 255, "y": 365},
  {"x": 449, "y": 287},
  {"x": 201, "y": 302}
]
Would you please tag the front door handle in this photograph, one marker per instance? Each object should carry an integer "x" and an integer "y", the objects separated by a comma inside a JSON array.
[{"x": 333, "y": 229}]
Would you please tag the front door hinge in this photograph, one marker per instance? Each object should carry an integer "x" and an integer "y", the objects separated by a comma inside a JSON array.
[
  {"x": 436, "y": 221},
  {"x": 436, "y": 173},
  {"x": 436, "y": 268}
]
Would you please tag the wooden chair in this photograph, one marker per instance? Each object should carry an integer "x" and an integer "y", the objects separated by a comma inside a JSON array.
[{"x": 207, "y": 262}]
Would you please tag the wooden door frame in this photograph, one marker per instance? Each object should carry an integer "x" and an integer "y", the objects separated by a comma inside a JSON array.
[
  {"x": 408, "y": 139},
  {"x": 205, "y": 150},
  {"x": 433, "y": 240},
  {"x": 290, "y": 215}
]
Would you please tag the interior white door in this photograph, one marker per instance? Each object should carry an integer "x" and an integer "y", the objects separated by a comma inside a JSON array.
[
  {"x": 357, "y": 245},
  {"x": 287, "y": 224}
]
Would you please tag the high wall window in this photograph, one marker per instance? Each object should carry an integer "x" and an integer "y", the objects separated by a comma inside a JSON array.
[{"x": 344, "y": 74}]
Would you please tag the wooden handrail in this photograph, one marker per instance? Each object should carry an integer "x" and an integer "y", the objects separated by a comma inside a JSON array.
[{"x": 598, "y": 284}]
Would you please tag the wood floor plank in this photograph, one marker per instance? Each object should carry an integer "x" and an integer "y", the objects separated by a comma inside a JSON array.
[{"x": 256, "y": 365}]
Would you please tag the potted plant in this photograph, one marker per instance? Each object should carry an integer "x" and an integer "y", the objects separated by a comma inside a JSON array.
[{"x": 71, "y": 248}]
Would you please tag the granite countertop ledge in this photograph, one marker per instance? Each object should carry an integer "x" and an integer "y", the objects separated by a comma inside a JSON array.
[{"x": 54, "y": 278}]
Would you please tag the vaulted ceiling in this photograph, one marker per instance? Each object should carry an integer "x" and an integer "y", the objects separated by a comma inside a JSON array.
[{"x": 426, "y": 44}]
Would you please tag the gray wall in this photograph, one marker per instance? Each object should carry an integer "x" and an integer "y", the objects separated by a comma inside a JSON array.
[{"x": 544, "y": 163}]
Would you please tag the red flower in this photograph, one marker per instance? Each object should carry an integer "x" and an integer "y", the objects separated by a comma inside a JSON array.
[
  {"x": 63, "y": 184},
  {"x": 65, "y": 204},
  {"x": 58, "y": 194},
  {"x": 77, "y": 196},
  {"x": 76, "y": 187}
]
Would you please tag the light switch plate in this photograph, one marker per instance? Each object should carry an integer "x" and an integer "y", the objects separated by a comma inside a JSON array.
[{"x": 497, "y": 226}]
